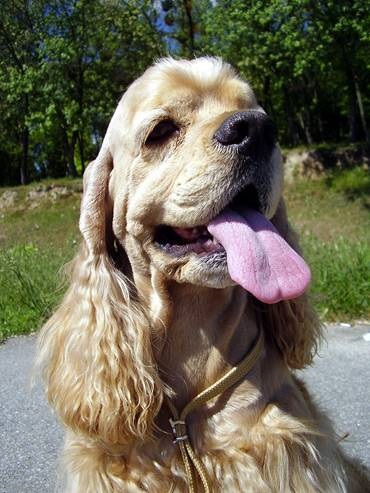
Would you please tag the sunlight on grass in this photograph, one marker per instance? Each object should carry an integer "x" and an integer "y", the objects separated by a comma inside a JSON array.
[
  {"x": 30, "y": 285},
  {"x": 340, "y": 277},
  {"x": 355, "y": 183},
  {"x": 331, "y": 214}
]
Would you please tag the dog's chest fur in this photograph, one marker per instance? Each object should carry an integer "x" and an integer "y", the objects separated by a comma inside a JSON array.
[{"x": 239, "y": 442}]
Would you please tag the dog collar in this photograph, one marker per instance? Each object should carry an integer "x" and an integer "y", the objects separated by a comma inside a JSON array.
[{"x": 178, "y": 420}]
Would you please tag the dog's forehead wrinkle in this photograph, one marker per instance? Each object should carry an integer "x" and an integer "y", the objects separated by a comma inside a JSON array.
[{"x": 180, "y": 103}]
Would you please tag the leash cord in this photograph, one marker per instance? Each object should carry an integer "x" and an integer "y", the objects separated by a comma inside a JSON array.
[{"x": 178, "y": 421}]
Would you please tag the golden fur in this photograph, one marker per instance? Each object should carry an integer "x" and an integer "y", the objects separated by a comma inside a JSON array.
[{"x": 137, "y": 324}]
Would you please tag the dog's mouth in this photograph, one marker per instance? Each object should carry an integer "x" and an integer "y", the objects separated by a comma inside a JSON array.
[
  {"x": 258, "y": 258},
  {"x": 181, "y": 241},
  {"x": 197, "y": 240}
]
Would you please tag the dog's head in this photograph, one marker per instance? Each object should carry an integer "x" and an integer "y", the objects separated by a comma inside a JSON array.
[{"x": 187, "y": 140}]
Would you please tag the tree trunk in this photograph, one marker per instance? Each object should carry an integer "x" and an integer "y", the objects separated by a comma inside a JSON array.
[
  {"x": 25, "y": 140},
  {"x": 71, "y": 169},
  {"x": 24, "y": 160},
  {"x": 320, "y": 128},
  {"x": 81, "y": 148},
  {"x": 267, "y": 106},
  {"x": 352, "y": 120},
  {"x": 362, "y": 113},
  {"x": 293, "y": 136},
  {"x": 319, "y": 134},
  {"x": 354, "y": 127},
  {"x": 191, "y": 30},
  {"x": 305, "y": 128}
]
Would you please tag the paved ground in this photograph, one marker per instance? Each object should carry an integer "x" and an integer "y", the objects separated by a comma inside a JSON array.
[{"x": 30, "y": 437}]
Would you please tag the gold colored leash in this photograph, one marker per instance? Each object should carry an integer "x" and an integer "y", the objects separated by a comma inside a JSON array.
[{"x": 178, "y": 421}]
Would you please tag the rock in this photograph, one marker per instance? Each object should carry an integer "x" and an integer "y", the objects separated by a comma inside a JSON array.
[
  {"x": 37, "y": 194},
  {"x": 59, "y": 192},
  {"x": 313, "y": 163},
  {"x": 50, "y": 192},
  {"x": 77, "y": 187},
  {"x": 293, "y": 164},
  {"x": 7, "y": 199}
]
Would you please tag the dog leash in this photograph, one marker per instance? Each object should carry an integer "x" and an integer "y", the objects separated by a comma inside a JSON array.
[{"x": 178, "y": 420}]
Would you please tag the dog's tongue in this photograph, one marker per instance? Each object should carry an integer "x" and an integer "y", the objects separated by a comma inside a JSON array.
[{"x": 258, "y": 258}]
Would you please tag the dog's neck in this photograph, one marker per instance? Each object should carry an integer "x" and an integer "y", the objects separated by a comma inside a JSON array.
[{"x": 207, "y": 332}]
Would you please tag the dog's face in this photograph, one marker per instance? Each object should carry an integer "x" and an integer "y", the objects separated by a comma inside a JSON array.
[
  {"x": 187, "y": 149},
  {"x": 187, "y": 139}
]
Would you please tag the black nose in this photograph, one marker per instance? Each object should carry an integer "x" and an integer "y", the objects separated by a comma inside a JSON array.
[{"x": 249, "y": 132}]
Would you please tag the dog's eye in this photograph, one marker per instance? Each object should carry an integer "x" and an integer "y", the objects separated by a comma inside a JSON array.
[{"x": 161, "y": 132}]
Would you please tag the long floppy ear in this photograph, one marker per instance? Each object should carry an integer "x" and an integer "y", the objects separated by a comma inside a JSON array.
[
  {"x": 95, "y": 351},
  {"x": 293, "y": 324}
]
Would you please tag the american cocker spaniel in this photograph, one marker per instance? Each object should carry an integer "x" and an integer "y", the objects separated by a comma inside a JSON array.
[{"x": 169, "y": 360}]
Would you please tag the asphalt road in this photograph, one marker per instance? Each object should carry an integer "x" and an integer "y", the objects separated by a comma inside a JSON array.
[{"x": 30, "y": 436}]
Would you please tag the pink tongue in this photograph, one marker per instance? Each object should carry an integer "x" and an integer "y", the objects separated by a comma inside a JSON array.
[{"x": 258, "y": 258}]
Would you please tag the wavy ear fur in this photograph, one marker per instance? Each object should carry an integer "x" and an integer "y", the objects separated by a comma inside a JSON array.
[
  {"x": 95, "y": 351},
  {"x": 293, "y": 324}
]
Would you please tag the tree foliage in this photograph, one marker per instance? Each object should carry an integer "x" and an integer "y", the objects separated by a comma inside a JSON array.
[
  {"x": 308, "y": 61},
  {"x": 64, "y": 64}
]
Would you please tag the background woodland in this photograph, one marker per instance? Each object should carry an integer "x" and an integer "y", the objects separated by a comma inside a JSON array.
[{"x": 65, "y": 63}]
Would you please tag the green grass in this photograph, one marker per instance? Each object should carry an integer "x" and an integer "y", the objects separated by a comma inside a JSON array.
[
  {"x": 35, "y": 242},
  {"x": 29, "y": 287},
  {"x": 354, "y": 183},
  {"x": 335, "y": 205},
  {"x": 341, "y": 277},
  {"x": 331, "y": 214}
]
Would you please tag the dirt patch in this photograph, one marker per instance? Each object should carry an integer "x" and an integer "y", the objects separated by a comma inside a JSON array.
[
  {"x": 34, "y": 196},
  {"x": 47, "y": 192},
  {"x": 314, "y": 163}
]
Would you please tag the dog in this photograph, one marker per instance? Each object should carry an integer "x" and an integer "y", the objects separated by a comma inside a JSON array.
[{"x": 189, "y": 288}]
